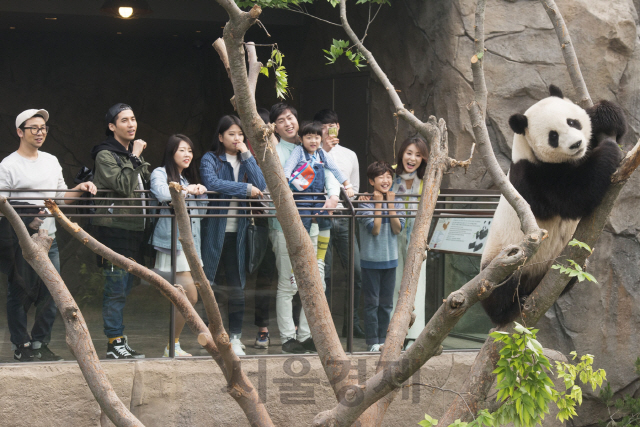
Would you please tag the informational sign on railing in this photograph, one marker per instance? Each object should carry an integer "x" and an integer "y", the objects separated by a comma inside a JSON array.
[{"x": 460, "y": 235}]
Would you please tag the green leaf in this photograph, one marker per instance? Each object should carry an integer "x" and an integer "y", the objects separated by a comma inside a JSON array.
[
  {"x": 265, "y": 71},
  {"x": 428, "y": 421},
  {"x": 580, "y": 244},
  {"x": 480, "y": 55}
]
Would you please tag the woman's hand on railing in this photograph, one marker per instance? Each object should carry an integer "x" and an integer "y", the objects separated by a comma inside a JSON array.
[
  {"x": 255, "y": 192},
  {"x": 196, "y": 189}
]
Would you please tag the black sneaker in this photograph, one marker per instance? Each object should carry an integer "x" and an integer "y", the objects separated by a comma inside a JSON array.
[
  {"x": 118, "y": 350},
  {"x": 293, "y": 346},
  {"x": 44, "y": 354},
  {"x": 24, "y": 353},
  {"x": 309, "y": 346},
  {"x": 135, "y": 354}
]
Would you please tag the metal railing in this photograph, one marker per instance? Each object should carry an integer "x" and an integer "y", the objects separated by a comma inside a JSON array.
[{"x": 448, "y": 205}]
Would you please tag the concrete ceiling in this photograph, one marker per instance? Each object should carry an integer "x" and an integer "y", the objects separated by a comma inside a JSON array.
[{"x": 170, "y": 18}]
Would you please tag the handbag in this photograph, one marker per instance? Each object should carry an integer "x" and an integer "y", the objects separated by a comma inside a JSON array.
[{"x": 257, "y": 241}]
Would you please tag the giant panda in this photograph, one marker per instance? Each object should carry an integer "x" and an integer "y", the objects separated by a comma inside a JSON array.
[{"x": 562, "y": 160}]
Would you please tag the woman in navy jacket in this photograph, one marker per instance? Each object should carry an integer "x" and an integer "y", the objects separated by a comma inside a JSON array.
[{"x": 231, "y": 170}]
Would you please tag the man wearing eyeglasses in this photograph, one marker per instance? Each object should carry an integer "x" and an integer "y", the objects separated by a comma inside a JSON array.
[
  {"x": 121, "y": 170},
  {"x": 30, "y": 168}
]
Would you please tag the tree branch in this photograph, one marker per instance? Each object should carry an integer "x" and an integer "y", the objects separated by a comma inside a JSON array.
[
  {"x": 254, "y": 66},
  {"x": 35, "y": 251},
  {"x": 428, "y": 343},
  {"x": 568, "y": 52},
  {"x": 238, "y": 384},
  {"x": 477, "y": 60},
  {"x": 299, "y": 244},
  {"x": 517, "y": 202}
]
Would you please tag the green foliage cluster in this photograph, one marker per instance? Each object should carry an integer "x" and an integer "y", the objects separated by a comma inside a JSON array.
[
  {"x": 339, "y": 47},
  {"x": 626, "y": 410},
  {"x": 576, "y": 270},
  {"x": 524, "y": 386},
  {"x": 275, "y": 62}
]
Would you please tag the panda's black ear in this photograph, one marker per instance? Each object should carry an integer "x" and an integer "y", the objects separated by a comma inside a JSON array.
[
  {"x": 518, "y": 123},
  {"x": 555, "y": 91}
]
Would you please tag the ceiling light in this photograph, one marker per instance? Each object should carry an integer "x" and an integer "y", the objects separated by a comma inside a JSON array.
[
  {"x": 51, "y": 19},
  {"x": 125, "y": 12},
  {"x": 126, "y": 9}
]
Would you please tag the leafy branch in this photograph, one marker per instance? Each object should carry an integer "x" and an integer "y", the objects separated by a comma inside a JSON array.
[
  {"x": 576, "y": 271},
  {"x": 275, "y": 62},
  {"x": 525, "y": 387},
  {"x": 340, "y": 47}
]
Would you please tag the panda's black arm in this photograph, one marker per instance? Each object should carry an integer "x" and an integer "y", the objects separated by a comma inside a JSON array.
[{"x": 562, "y": 189}]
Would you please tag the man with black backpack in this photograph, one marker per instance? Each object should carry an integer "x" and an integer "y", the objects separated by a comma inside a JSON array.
[
  {"x": 30, "y": 168},
  {"x": 120, "y": 169}
]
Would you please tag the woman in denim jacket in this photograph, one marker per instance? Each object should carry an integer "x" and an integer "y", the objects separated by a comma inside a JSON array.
[
  {"x": 176, "y": 167},
  {"x": 231, "y": 170}
]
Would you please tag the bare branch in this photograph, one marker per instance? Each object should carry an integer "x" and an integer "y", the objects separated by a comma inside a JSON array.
[
  {"x": 629, "y": 164},
  {"x": 254, "y": 66},
  {"x": 479, "y": 83},
  {"x": 35, "y": 251},
  {"x": 238, "y": 384},
  {"x": 303, "y": 12},
  {"x": 568, "y": 52},
  {"x": 519, "y": 204},
  {"x": 219, "y": 46}
]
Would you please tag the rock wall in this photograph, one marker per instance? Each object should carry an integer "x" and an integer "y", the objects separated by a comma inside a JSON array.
[{"x": 425, "y": 47}]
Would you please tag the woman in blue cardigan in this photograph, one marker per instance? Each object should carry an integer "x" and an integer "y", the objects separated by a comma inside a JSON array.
[{"x": 231, "y": 170}]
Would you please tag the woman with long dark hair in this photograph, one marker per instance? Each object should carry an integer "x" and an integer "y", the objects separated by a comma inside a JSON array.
[
  {"x": 177, "y": 167},
  {"x": 411, "y": 165},
  {"x": 231, "y": 170}
]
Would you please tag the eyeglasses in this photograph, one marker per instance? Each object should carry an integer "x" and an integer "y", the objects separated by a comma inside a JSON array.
[{"x": 37, "y": 130}]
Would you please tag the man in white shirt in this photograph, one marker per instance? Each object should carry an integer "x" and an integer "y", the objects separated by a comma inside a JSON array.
[
  {"x": 347, "y": 161},
  {"x": 30, "y": 168},
  {"x": 285, "y": 119}
]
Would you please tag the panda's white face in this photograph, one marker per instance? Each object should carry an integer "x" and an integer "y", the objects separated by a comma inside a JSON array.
[{"x": 558, "y": 131}]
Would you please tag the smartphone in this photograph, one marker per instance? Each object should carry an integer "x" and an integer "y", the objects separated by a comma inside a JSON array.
[{"x": 333, "y": 131}]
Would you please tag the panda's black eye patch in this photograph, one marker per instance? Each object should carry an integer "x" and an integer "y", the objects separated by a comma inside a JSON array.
[
  {"x": 553, "y": 139},
  {"x": 574, "y": 124}
]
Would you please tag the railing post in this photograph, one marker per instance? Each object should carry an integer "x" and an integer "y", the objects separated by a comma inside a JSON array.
[
  {"x": 174, "y": 259},
  {"x": 352, "y": 239}
]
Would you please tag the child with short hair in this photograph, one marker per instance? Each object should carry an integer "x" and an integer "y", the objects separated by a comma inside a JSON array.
[
  {"x": 305, "y": 171},
  {"x": 379, "y": 261}
]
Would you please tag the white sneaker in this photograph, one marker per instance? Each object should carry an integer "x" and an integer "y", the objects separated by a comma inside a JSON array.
[
  {"x": 237, "y": 346},
  {"x": 178, "y": 351},
  {"x": 292, "y": 280},
  {"x": 375, "y": 347}
]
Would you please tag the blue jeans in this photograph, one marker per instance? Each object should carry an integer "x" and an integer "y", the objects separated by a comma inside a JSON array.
[
  {"x": 323, "y": 220},
  {"x": 378, "y": 302},
  {"x": 340, "y": 241},
  {"x": 232, "y": 291},
  {"x": 45, "y": 310},
  {"x": 117, "y": 285}
]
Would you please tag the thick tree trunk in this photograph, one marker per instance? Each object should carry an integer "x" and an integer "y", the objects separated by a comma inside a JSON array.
[{"x": 35, "y": 250}]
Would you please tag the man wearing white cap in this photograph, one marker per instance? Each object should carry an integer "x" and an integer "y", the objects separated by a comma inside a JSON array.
[{"x": 30, "y": 168}]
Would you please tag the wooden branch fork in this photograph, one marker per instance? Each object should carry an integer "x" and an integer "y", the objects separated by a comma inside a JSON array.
[
  {"x": 239, "y": 387},
  {"x": 35, "y": 250}
]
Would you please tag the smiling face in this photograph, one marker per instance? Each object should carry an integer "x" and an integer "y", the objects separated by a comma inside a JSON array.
[
  {"x": 311, "y": 142},
  {"x": 287, "y": 126},
  {"x": 183, "y": 156},
  {"x": 125, "y": 126},
  {"x": 28, "y": 138},
  {"x": 382, "y": 183},
  {"x": 411, "y": 158},
  {"x": 231, "y": 138}
]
